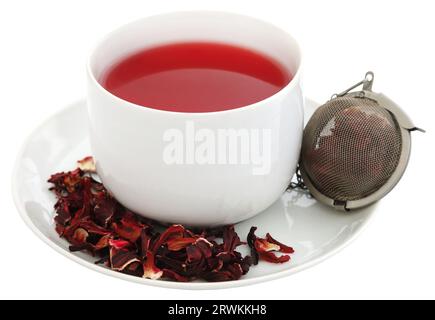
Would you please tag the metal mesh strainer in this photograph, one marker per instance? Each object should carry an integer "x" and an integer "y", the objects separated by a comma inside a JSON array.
[{"x": 355, "y": 148}]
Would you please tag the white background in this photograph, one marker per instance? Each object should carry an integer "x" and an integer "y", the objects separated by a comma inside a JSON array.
[{"x": 43, "y": 48}]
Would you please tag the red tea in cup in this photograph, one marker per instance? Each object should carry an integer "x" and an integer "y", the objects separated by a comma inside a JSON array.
[{"x": 195, "y": 77}]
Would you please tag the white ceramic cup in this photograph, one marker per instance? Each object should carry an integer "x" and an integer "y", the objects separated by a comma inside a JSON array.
[{"x": 128, "y": 143}]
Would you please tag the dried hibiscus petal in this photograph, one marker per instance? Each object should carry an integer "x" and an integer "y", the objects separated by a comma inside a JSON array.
[
  {"x": 251, "y": 242},
  {"x": 282, "y": 247},
  {"x": 121, "y": 259},
  {"x": 66, "y": 180},
  {"x": 177, "y": 265},
  {"x": 89, "y": 218},
  {"x": 217, "y": 276},
  {"x": 103, "y": 242},
  {"x": 150, "y": 270},
  {"x": 128, "y": 228},
  {"x": 104, "y": 211},
  {"x": 199, "y": 251},
  {"x": 246, "y": 264},
  {"x": 121, "y": 255},
  {"x": 205, "y": 247},
  {"x": 80, "y": 236},
  {"x": 87, "y": 164},
  {"x": 63, "y": 213},
  {"x": 177, "y": 244},
  {"x": 193, "y": 253},
  {"x": 231, "y": 239},
  {"x": 172, "y": 275},
  {"x": 215, "y": 264},
  {"x": 263, "y": 249},
  {"x": 83, "y": 235},
  {"x": 236, "y": 270},
  {"x": 119, "y": 244},
  {"x": 174, "y": 231},
  {"x": 72, "y": 180},
  {"x": 262, "y": 245},
  {"x": 271, "y": 257},
  {"x": 93, "y": 228},
  {"x": 145, "y": 241},
  {"x": 134, "y": 268},
  {"x": 225, "y": 257}
]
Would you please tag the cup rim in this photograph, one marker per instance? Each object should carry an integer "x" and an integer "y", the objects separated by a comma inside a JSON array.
[{"x": 292, "y": 83}]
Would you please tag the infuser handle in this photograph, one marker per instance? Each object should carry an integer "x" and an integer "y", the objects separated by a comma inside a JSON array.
[{"x": 367, "y": 84}]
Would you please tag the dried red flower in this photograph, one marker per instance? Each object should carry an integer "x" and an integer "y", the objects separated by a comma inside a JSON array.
[
  {"x": 179, "y": 243},
  {"x": 263, "y": 249},
  {"x": 251, "y": 243},
  {"x": 89, "y": 218},
  {"x": 231, "y": 239},
  {"x": 172, "y": 275},
  {"x": 173, "y": 232},
  {"x": 282, "y": 247},
  {"x": 104, "y": 211},
  {"x": 150, "y": 270},
  {"x": 121, "y": 255},
  {"x": 80, "y": 236},
  {"x": 87, "y": 164},
  {"x": 128, "y": 228}
]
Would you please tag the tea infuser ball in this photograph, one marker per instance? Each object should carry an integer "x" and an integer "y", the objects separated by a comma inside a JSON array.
[{"x": 355, "y": 147}]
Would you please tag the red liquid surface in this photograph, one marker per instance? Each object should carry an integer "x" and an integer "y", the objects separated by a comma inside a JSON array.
[{"x": 195, "y": 77}]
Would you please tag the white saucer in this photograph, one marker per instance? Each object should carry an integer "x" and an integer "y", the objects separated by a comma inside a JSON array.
[{"x": 313, "y": 230}]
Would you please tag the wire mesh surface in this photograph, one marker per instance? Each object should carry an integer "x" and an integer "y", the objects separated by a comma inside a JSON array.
[{"x": 351, "y": 147}]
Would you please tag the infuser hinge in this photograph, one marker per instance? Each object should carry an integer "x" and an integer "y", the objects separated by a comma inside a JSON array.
[{"x": 341, "y": 205}]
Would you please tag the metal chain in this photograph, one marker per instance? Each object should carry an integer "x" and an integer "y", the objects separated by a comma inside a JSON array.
[{"x": 299, "y": 184}]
